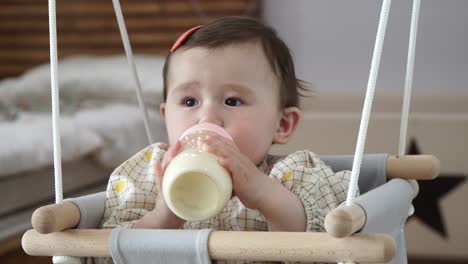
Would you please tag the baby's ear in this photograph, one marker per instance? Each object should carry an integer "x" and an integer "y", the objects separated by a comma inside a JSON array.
[
  {"x": 162, "y": 110},
  {"x": 287, "y": 125}
]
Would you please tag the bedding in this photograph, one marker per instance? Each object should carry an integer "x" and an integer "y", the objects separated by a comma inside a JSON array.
[
  {"x": 99, "y": 113},
  {"x": 112, "y": 133},
  {"x": 85, "y": 79}
]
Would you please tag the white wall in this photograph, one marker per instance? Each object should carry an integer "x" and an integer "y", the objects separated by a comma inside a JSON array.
[{"x": 332, "y": 43}]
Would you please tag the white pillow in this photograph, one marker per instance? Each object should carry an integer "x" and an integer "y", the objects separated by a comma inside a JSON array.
[
  {"x": 121, "y": 130},
  {"x": 91, "y": 77},
  {"x": 27, "y": 143}
]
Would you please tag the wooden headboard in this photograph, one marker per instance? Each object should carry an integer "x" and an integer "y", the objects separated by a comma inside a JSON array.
[{"x": 90, "y": 27}]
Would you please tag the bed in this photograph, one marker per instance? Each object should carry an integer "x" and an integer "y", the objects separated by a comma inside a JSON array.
[{"x": 101, "y": 126}]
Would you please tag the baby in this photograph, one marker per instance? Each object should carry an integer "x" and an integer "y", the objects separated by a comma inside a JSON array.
[{"x": 238, "y": 74}]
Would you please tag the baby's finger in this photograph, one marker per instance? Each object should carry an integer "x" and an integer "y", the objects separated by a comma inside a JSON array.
[
  {"x": 218, "y": 138},
  {"x": 170, "y": 154},
  {"x": 220, "y": 148},
  {"x": 158, "y": 174},
  {"x": 227, "y": 164}
]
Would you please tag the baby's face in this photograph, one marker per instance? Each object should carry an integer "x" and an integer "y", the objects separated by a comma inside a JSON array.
[{"x": 233, "y": 87}]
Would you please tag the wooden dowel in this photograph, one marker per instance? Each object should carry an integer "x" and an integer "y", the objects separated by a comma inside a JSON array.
[
  {"x": 259, "y": 246},
  {"x": 345, "y": 220},
  {"x": 73, "y": 242},
  {"x": 55, "y": 217},
  {"x": 417, "y": 167},
  {"x": 300, "y": 246}
]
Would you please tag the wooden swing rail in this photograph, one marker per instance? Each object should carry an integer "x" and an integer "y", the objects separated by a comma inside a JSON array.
[
  {"x": 256, "y": 246},
  {"x": 341, "y": 222}
]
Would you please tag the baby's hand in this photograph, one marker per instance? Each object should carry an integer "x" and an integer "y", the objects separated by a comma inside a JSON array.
[
  {"x": 247, "y": 179},
  {"x": 164, "y": 214},
  {"x": 161, "y": 217}
]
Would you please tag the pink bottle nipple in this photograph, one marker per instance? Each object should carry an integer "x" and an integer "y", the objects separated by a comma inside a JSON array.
[{"x": 207, "y": 127}]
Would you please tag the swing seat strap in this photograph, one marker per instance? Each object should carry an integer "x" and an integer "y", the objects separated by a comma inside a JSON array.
[{"x": 128, "y": 246}]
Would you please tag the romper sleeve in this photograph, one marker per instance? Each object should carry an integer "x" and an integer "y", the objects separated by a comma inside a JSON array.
[
  {"x": 315, "y": 184},
  {"x": 132, "y": 190}
]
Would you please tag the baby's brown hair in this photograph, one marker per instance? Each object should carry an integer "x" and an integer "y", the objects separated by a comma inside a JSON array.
[{"x": 235, "y": 30}]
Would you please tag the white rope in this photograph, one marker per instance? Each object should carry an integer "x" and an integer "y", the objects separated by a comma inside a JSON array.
[
  {"x": 55, "y": 103},
  {"x": 131, "y": 63},
  {"x": 353, "y": 185},
  {"x": 55, "y": 120},
  {"x": 409, "y": 83},
  {"x": 409, "y": 78}
]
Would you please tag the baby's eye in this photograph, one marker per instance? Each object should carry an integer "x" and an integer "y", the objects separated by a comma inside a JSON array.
[
  {"x": 232, "y": 101},
  {"x": 189, "y": 101}
]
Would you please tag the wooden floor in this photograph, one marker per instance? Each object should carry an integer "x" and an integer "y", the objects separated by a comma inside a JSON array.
[{"x": 18, "y": 256}]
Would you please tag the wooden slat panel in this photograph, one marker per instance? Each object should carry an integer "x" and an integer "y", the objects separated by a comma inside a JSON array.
[
  {"x": 92, "y": 38},
  {"x": 106, "y": 8},
  {"x": 39, "y": 55},
  {"x": 99, "y": 24},
  {"x": 89, "y": 27}
]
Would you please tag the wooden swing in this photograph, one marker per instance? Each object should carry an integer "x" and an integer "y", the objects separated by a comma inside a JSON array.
[{"x": 54, "y": 233}]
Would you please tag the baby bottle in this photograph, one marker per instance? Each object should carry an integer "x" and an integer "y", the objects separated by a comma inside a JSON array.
[{"x": 195, "y": 186}]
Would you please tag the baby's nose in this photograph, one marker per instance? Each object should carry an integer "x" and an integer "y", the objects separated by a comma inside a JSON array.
[{"x": 212, "y": 116}]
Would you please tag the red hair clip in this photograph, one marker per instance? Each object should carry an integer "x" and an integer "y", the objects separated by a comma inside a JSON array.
[{"x": 184, "y": 37}]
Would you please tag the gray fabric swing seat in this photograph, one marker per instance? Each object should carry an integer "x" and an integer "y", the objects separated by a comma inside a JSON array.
[{"x": 386, "y": 206}]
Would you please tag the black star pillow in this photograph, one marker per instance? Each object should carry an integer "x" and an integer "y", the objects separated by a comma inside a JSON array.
[{"x": 427, "y": 203}]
